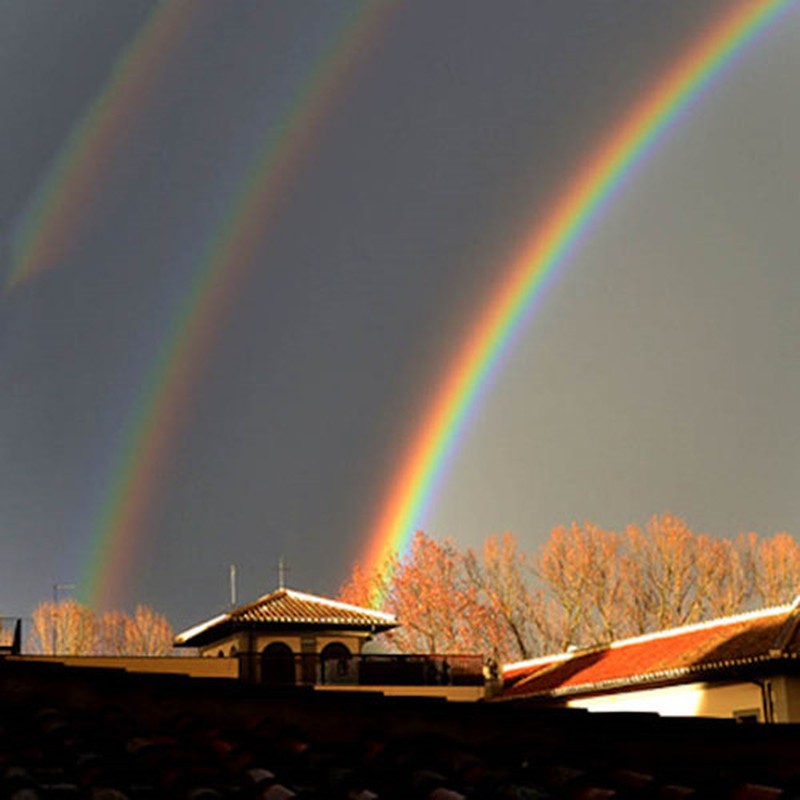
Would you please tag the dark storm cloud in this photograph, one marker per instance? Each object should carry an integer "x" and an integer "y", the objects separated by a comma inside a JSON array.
[{"x": 443, "y": 149}]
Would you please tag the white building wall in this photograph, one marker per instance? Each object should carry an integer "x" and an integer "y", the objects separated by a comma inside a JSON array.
[{"x": 686, "y": 700}]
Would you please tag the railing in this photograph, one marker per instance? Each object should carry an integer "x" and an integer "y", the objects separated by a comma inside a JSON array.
[{"x": 365, "y": 670}]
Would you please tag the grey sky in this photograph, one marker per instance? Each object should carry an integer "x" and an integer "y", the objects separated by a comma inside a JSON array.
[{"x": 659, "y": 372}]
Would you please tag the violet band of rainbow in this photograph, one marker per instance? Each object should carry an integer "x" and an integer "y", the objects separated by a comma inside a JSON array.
[
  {"x": 73, "y": 183},
  {"x": 587, "y": 192},
  {"x": 122, "y": 523}
]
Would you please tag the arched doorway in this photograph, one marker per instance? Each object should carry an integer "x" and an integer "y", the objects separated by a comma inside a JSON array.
[
  {"x": 277, "y": 664},
  {"x": 336, "y": 663}
]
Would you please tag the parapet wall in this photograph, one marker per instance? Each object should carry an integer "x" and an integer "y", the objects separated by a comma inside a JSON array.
[{"x": 195, "y": 666}]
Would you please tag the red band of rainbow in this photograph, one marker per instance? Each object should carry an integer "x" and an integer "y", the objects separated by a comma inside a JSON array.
[
  {"x": 73, "y": 182},
  {"x": 412, "y": 487},
  {"x": 120, "y": 529}
]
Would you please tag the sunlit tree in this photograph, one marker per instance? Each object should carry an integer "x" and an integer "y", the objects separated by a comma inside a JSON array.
[
  {"x": 432, "y": 598},
  {"x": 775, "y": 567},
  {"x": 723, "y": 583},
  {"x": 148, "y": 633},
  {"x": 64, "y": 628},
  {"x": 499, "y": 573},
  {"x": 112, "y": 633},
  {"x": 660, "y": 587},
  {"x": 70, "y": 628},
  {"x": 584, "y": 586},
  {"x": 363, "y": 588},
  {"x": 580, "y": 569},
  {"x": 555, "y": 631}
]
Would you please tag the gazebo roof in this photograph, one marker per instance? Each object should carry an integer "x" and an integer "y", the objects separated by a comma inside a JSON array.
[{"x": 284, "y": 610}]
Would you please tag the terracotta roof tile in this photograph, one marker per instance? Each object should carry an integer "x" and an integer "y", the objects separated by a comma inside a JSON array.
[
  {"x": 716, "y": 644},
  {"x": 287, "y": 607}
]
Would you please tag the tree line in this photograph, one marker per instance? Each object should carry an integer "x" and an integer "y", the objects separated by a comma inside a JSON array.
[
  {"x": 71, "y": 628},
  {"x": 585, "y": 585}
]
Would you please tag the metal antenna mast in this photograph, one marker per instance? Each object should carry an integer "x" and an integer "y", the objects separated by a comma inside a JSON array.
[{"x": 282, "y": 570}]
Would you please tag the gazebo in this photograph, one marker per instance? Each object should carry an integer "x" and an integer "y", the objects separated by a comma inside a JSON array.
[{"x": 288, "y": 636}]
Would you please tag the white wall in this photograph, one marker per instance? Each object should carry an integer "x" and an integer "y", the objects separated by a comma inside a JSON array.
[{"x": 687, "y": 700}]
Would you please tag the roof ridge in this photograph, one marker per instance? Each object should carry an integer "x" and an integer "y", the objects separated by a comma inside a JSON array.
[
  {"x": 539, "y": 661},
  {"x": 258, "y": 600},
  {"x": 277, "y": 594},
  {"x": 339, "y": 604},
  {"x": 288, "y": 606},
  {"x": 718, "y": 622},
  {"x": 662, "y": 634}
]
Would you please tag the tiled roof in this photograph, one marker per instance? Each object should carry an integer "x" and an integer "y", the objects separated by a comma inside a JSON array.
[
  {"x": 666, "y": 655},
  {"x": 287, "y": 607}
]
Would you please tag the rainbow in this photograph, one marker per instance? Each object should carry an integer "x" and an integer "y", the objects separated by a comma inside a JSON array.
[
  {"x": 548, "y": 246},
  {"x": 164, "y": 399},
  {"x": 54, "y": 220}
]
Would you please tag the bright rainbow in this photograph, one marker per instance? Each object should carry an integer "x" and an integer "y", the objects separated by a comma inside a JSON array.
[
  {"x": 548, "y": 246},
  {"x": 166, "y": 396},
  {"x": 72, "y": 184}
]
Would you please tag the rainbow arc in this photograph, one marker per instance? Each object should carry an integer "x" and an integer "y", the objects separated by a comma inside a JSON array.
[{"x": 590, "y": 189}]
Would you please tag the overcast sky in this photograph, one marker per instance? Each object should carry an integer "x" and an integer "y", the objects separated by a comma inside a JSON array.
[{"x": 659, "y": 373}]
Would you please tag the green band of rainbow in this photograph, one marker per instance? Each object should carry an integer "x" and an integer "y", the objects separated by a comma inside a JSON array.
[
  {"x": 412, "y": 487},
  {"x": 161, "y": 408}
]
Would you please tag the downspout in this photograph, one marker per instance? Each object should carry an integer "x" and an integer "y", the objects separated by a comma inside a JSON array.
[{"x": 767, "y": 704}]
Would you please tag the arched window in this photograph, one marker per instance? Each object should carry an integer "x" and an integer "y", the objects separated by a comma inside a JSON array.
[
  {"x": 233, "y": 651},
  {"x": 277, "y": 664},
  {"x": 337, "y": 664}
]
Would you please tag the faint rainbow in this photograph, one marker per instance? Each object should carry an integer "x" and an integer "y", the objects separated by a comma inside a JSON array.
[
  {"x": 154, "y": 427},
  {"x": 585, "y": 195},
  {"x": 54, "y": 220}
]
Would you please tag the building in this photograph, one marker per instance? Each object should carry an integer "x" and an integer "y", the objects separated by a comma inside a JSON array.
[
  {"x": 292, "y": 639},
  {"x": 745, "y": 666},
  {"x": 288, "y": 637},
  {"x": 290, "y": 631}
]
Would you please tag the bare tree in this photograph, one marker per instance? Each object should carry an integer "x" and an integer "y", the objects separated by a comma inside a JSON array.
[
  {"x": 70, "y": 628},
  {"x": 775, "y": 565},
  {"x": 498, "y": 574},
  {"x": 580, "y": 569},
  {"x": 563, "y": 565},
  {"x": 589, "y": 586},
  {"x": 606, "y": 618},
  {"x": 723, "y": 584},
  {"x": 364, "y": 589},
  {"x": 433, "y": 600},
  {"x": 112, "y": 633},
  {"x": 659, "y": 569},
  {"x": 64, "y": 628},
  {"x": 148, "y": 633},
  {"x": 555, "y": 631}
]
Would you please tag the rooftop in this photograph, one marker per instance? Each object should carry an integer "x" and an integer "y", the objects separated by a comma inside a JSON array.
[
  {"x": 287, "y": 608},
  {"x": 672, "y": 655}
]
